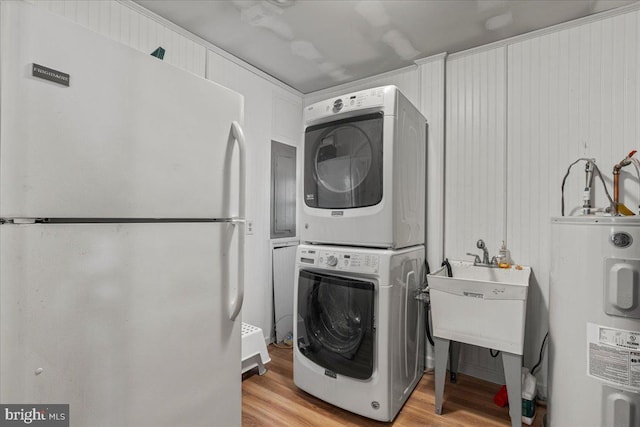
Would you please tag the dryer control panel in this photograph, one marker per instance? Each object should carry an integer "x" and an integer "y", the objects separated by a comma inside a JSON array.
[
  {"x": 358, "y": 100},
  {"x": 340, "y": 260},
  {"x": 347, "y": 103}
]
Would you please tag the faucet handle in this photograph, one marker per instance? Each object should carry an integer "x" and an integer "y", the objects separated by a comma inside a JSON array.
[{"x": 476, "y": 259}]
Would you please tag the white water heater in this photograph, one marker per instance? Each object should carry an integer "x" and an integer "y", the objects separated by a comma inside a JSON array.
[{"x": 594, "y": 322}]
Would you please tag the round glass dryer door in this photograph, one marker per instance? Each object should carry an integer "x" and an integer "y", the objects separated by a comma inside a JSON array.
[
  {"x": 343, "y": 163},
  {"x": 335, "y": 323}
]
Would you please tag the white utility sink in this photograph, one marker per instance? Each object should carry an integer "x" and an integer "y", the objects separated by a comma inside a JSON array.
[{"x": 480, "y": 305}]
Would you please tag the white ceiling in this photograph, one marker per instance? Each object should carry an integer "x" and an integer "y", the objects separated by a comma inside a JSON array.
[{"x": 315, "y": 44}]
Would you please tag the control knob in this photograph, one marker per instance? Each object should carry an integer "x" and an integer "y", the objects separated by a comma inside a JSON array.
[
  {"x": 337, "y": 105},
  {"x": 332, "y": 261}
]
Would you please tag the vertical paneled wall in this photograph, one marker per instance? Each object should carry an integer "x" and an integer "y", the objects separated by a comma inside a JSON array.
[
  {"x": 432, "y": 91},
  {"x": 432, "y": 95},
  {"x": 475, "y": 188},
  {"x": 571, "y": 94},
  {"x": 120, "y": 22},
  {"x": 517, "y": 116},
  {"x": 475, "y": 195}
]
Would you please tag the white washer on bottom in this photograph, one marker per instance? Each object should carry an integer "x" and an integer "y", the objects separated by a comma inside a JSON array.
[{"x": 359, "y": 329}]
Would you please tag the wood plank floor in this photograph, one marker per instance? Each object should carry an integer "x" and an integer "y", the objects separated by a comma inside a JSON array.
[{"x": 274, "y": 400}]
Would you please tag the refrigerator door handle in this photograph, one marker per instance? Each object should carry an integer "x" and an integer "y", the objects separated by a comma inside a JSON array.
[
  {"x": 235, "y": 304},
  {"x": 238, "y": 135}
]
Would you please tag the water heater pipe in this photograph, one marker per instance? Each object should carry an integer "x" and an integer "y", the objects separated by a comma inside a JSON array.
[
  {"x": 616, "y": 180},
  {"x": 586, "y": 197},
  {"x": 593, "y": 168}
]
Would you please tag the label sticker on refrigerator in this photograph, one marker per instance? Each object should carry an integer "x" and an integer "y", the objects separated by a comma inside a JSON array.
[
  {"x": 50, "y": 74},
  {"x": 613, "y": 356}
]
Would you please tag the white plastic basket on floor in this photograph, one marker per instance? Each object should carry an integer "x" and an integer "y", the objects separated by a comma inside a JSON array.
[{"x": 254, "y": 349}]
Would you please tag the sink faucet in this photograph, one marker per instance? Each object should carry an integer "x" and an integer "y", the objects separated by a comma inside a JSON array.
[
  {"x": 476, "y": 259},
  {"x": 485, "y": 252},
  {"x": 485, "y": 262}
]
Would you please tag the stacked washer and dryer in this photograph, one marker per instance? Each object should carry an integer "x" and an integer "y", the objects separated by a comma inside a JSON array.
[{"x": 359, "y": 329}]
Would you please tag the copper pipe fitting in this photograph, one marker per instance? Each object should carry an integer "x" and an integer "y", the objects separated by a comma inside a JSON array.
[{"x": 616, "y": 180}]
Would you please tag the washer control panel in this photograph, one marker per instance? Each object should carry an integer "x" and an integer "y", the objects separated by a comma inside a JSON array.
[{"x": 339, "y": 260}]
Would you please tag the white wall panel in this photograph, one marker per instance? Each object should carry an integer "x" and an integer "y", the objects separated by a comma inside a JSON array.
[
  {"x": 524, "y": 115},
  {"x": 475, "y": 194},
  {"x": 287, "y": 117},
  {"x": 475, "y": 189},
  {"x": 126, "y": 25},
  {"x": 573, "y": 93},
  {"x": 432, "y": 94}
]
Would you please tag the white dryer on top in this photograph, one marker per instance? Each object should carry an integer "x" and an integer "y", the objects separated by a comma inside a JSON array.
[{"x": 364, "y": 170}]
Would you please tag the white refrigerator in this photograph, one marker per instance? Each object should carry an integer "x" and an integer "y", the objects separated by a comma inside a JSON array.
[{"x": 121, "y": 235}]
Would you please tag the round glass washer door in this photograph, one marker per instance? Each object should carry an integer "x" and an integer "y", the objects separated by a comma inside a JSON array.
[{"x": 337, "y": 321}]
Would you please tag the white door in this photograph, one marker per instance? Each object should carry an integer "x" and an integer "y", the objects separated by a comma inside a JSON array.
[
  {"x": 130, "y": 137},
  {"x": 127, "y": 323}
]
